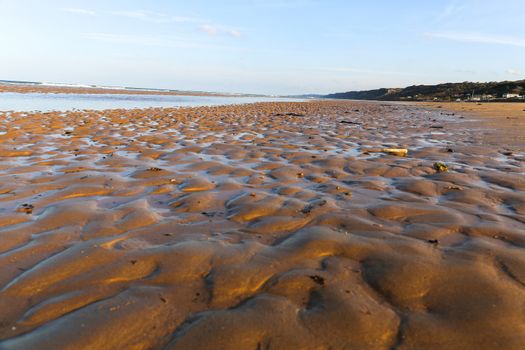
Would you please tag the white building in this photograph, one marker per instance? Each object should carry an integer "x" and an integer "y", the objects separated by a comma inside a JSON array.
[{"x": 511, "y": 95}]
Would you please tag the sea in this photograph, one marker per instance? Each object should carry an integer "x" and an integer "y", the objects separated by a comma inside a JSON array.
[{"x": 45, "y": 102}]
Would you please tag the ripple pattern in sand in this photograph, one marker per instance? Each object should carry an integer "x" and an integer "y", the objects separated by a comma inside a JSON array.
[{"x": 267, "y": 226}]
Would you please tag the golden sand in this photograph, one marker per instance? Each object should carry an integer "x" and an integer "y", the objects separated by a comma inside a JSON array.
[
  {"x": 507, "y": 118},
  {"x": 265, "y": 226}
]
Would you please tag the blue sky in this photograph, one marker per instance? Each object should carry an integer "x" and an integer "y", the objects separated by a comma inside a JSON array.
[{"x": 262, "y": 46}]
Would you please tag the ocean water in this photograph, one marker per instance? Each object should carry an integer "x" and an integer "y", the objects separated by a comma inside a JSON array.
[{"x": 65, "y": 102}]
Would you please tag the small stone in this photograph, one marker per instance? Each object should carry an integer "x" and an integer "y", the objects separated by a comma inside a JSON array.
[
  {"x": 318, "y": 279},
  {"x": 440, "y": 167},
  {"x": 25, "y": 208}
]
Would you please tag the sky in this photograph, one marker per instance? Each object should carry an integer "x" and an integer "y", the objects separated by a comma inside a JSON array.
[{"x": 262, "y": 46}]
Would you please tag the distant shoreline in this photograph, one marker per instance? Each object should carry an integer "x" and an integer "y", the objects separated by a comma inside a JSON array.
[
  {"x": 29, "y": 87},
  {"x": 423, "y": 102},
  {"x": 504, "y": 91}
]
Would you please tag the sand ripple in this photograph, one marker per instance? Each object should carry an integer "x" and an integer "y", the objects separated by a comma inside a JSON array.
[{"x": 266, "y": 226}]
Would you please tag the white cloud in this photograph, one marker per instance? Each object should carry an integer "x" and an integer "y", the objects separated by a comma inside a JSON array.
[
  {"x": 235, "y": 33},
  {"x": 214, "y": 30},
  {"x": 478, "y": 38},
  {"x": 79, "y": 11},
  {"x": 129, "y": 39},
  {"x": 209, "y": 29},
  {"x": 155, "y": 17},
  {"x": 465, "y": 71},
  {"x": 155, "y": 41},
  {"x": 451, "y": 10},
  {"x": 363, "y": 71},
  {"x": 284, "y": 3},
  {"x": 514, "y": 72}
]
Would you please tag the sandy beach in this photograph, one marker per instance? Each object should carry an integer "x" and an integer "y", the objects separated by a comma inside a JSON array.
[
  {"x": 58, "y": 89},
  {"x": 263, "y": 226},
  {"x": 506, "y": 119}
]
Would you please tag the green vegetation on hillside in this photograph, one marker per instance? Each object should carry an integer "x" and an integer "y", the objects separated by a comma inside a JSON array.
[{"x": 441, "y": 92}]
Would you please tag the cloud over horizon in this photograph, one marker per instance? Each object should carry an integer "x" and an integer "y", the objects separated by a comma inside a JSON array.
[
  {"x": 480, "y": 38},
  {"x": 155, "y": 17},
  {"x": 213, "y": 30},
  {"x": 79, "y": 11}
]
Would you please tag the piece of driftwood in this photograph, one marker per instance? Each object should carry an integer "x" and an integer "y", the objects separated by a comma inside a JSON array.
[{"x": 402, "y": 152}]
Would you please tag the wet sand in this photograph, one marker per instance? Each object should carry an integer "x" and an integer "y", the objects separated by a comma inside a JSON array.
[
  {"x": 48, "y": 89},
  {"x": 264, "y": 226},
  {"x": 506, "y": 119}
]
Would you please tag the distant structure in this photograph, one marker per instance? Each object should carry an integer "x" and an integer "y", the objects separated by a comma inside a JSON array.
[
  {"x": 484, "y": 97},
  {"x": 509, "y": 95},
  {"x": 475, "y": 97}
]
